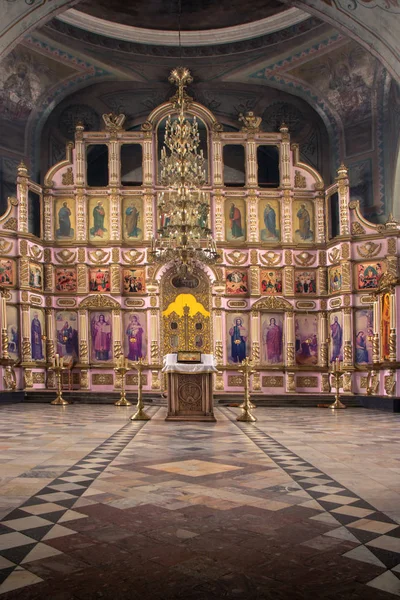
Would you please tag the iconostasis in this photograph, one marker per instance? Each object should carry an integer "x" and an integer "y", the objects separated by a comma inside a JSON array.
[{"x": 303, "y": 278}]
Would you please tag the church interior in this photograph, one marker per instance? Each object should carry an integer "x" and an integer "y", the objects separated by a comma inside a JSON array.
[{"x": 199, "y": 271}]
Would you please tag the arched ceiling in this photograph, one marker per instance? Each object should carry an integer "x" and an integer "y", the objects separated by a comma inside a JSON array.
[
  {"x": 280, "y": 47},
  {"x": 163, "y": 14}
]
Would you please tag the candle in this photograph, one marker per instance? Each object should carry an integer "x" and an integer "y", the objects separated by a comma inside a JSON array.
[
  {"x": 62, "y": 361},
  {"x": 57, "y": 360}
]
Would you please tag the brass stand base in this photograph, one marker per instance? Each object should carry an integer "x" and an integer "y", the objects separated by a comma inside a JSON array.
[
  {"x": 59, "y": 401},
  {"x": 251, "y": 405},
  {"x": 337, "y": 404},
  {"x": 123, "y": 402},
  {"x": 246, "y": 416},
  {"x": 140, "y": 415}
]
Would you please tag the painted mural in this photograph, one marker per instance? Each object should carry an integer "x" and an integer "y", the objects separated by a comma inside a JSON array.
[
  {"x": 99, "y": 279},
  {"x": 236, "y": 282},
  {"x": 99, "y": 219},
  {"x": 363, "y": 329},
  {"x": 37, "y": 334},
  {"x": 336, "y": 335},
  {"x": 272, "y": 338},
  {"x": 101, "y": 336},
  {"x": 135, "y": 335},
  {"x": 35, "y": 276},
  {"x": 64, "y": 212},
  {"x": 132, "y": 210},
  {"x": 235, "y": 220},
  {"x": 67, "y": 333},
  {"x": 335, "y": 278},
  {"x": 368, "y": 274},
  {"x": 14, "y": 347},
  {"x": 237, "y": 339},
  {"x": 305, "y": 282},
  {"x": 134, "y": 281},
  {"x": 303, "y": 221},
  {"x": 269, "y": 219},
  {"x": 65, "y": 279},
  {"x": 271, "y": 281},
  {"x": 7, "y": 272},
  {"x": 306, "y": 335}
]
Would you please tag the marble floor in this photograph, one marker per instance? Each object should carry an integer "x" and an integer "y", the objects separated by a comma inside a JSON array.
[{"x": 305, "y": 503}]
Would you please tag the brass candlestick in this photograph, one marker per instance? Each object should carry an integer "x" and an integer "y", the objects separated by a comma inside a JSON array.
[
  {"x": 122, "y": 370},
  {"x": 59, "y": 400},
  {"x": 247, "y": 370},
  {"x": 140, "y": 414},
  {"x": 337, "y": 372}
]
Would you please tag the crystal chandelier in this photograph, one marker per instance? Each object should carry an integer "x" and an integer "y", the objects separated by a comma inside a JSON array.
[{"x": 184, "y": 236}]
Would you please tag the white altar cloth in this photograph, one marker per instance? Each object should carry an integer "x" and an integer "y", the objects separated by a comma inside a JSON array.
[{"x": 207, "y": 365}]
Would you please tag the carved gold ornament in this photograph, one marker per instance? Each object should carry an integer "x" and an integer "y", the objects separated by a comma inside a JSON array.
[
  {"x": 251, "y": 123},
  {"x": 5, "y": 246},
  {"x": 99, "y": 301},
  {"x": 270, "y": 258},
  {"x": 305, "y": 304},
  {"x": 134, "y": 302},
  {"x": 391, "y": 246},
  {"x": 357, "y": 229},
  {"x": 38, "y": 377},
  {"x": 236, "y": 257},
  {"x": 99, "y": 257},
  {"x": 103, "y": 379},
  {"x": 10, "y": 382},
  {"x": 67, "y": 178},
  {"x": 36, "y": 300},
  {"x": 307, "y": 382},
  {"x": 335, "y": 303},
  {"x": 235, "y": 380},
  {"x": 305, "y": 259},
  {"x": 369, "y": 249},
  {"x": 334, "y": 255},
  {"x": 65, "y": 256},
  {"x": 299, "y": 180},
  {"x": 272, "y": 381},
  {"x": 237, "y": 304},
  {"x": 272, "y": 303},
  {"x": 11, "y": 224},
  {"x": 114, "y": 122},
  {"x": 133, "y": 257},
  {"x": 66, "y": 302},
  {"x": 345, "y": 248},
  {"x": 288, "y": 257}
]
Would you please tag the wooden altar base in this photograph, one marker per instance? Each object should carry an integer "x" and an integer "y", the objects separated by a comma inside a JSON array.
[{"x": 190, "y": 397}]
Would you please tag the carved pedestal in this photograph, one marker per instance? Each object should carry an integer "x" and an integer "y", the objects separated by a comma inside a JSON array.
[{"x": 190, "y": 397}]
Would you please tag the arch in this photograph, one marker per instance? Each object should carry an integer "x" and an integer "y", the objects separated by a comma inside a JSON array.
[
  {"x": 272, "y": 303},
  {"x": 99, "y": 301}
]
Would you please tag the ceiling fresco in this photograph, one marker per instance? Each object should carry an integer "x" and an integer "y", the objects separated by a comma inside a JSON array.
[
  {"x": 163, "y": 14},
  {"x": 329, "y": 90}
]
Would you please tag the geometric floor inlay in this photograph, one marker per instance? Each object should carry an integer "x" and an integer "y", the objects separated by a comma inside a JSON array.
[
  {"x": 95, "y": 506},
  {"x": 378, "y": 535}
]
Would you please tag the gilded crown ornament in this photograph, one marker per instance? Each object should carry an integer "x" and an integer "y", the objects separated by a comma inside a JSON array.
[{"x": 184, "y": 236}]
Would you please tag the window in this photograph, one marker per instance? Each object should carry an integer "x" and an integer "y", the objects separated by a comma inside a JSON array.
[
  {"x": 97, "y": 165},
  {"x": 268, "y": 166},
  {"x": 34, "y": 213},
  {"x": 131, "y": 164},
  {"x": 234, "y": 165}
]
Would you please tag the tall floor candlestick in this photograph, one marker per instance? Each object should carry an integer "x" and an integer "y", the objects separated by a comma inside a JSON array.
[
  {"x": 247, "y": 370},
  {"x": 140, "y": 414}
]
